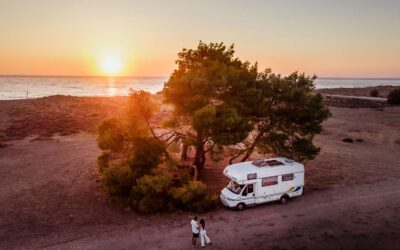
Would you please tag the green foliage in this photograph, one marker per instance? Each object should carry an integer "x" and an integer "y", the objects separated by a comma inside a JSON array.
[
  {"x": 156, "y": 193},
  {"x": 192, "y": 196},
  {"x": 394, "y": 97},
  {"x": 206, "y": 88},
  {"x": 129, "y": 149},
  {"x": 229, "y": 126},
  {"x": 203, "y": 118},
  {"x": 140, "y": 103},
  {"x": 140, "y": 109},
  {"x": 151, "y": 193},
  {"x": 146, "y": 155},
  {"x": 374, "y": 93},
  {"x": 288, "y": 117},
  {"x": 110, "y": 135},
  {"x": 103, "y": 161},
  {"x": 131, "y": 154},
  {"x": 224, "y": 99},
  {"x": 118, "y": 180}
]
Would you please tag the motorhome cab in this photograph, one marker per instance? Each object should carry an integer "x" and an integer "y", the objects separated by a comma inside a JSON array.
[{"x": 260, "y": 181}]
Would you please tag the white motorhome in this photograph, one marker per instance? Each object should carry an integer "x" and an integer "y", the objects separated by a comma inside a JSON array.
[{"x": 260, "y": 181}]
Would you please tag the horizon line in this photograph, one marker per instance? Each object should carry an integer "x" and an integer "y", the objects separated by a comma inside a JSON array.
[{"x": 155, "y": 76}]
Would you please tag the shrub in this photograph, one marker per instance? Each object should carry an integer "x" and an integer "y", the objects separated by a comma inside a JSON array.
[
  {"x": 151, "y": 193},
  {"x": 102, "y": 161},
  {"x": 118, "y": 180},
  {"x": 146, "y": 155},
  {"x": 192, "y": 196},
  {"x": 394, "y": 97},
  {"x": 111, "y": 135},
  {"x": 374, "y": 93}
]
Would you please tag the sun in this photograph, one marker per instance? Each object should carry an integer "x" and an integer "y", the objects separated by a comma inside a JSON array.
[{"x": 111, "y": 64}]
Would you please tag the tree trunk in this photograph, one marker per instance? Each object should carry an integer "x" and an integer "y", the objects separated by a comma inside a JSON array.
[
  {"x": 200, "y": 156},
  {"x": 248, "y": 153},
  {"x": 250, "y": 150},
  {"x": 184, "y": 154},
  {"x": 196, "y": 173}
]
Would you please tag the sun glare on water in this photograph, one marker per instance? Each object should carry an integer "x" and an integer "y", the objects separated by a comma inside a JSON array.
[{"x": 111, "y": 65}]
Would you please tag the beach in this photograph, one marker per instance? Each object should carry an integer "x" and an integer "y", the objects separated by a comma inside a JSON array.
[{"x": 51, "y": 196}]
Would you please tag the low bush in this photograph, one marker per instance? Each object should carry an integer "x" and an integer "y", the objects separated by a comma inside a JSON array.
[
  {"x": 156, "y": 193},
  {"x": 192, "y": 197},
  {"x": 374, "y": 93},
  {"x": 102, "y": 161},
  {"x": 394, "y": 97},
  {"x": 151, "y": 193},
  {"x": 111, "y": 135},
  {"x": 118, "y": 180}
]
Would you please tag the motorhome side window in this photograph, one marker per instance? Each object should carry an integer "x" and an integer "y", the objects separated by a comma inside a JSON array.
[
  {"x": 287, "y": 177},
  {"x": 268, "y": 181},
  {"x": 250, "y": 188}
]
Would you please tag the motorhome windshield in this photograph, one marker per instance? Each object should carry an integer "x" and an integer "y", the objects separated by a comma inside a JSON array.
[{"x": 234, "y": 187}]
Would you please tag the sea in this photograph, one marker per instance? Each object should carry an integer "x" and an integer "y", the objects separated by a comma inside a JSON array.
[{"x": 23, "y": 87}]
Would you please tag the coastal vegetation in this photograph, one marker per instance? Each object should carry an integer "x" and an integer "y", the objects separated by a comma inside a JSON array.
[
  {"x": 222, "y": 107},
  {"x": 394, "y": 97},
  {"x": 136, "y": 166},
  {"x": 374, "y": 93}
]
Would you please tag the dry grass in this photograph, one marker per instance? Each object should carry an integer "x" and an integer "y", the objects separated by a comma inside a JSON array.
[{"x": 63, "y": 115}]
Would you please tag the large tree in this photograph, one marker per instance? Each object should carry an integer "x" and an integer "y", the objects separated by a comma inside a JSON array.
[
  {"x": 205, "y": 90},
  {"x": 288, "y": 116},
  {"x": 220, "y": 101}
]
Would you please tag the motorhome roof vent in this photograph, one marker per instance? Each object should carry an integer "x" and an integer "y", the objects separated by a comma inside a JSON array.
[
  {"x": 265, "y": 163},
  {"x": 288, "y": 160}
]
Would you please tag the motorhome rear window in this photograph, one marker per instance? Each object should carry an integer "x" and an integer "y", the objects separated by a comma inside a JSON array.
[
  {"x": 264, "y": 163},
  {"x": 268, "y": 181},
  {"x": 287, "y": 177}
]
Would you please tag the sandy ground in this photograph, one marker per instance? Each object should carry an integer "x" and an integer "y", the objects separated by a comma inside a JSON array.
[
  {"x": 50, "y": 196},
  {"x": 336, "y": 219},
  {"x": 383, "y": 91}
]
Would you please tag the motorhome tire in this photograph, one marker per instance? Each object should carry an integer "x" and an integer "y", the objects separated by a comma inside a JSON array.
[
  {"x": 284, "y": 199},
  {"x": 241, "y": 206}
]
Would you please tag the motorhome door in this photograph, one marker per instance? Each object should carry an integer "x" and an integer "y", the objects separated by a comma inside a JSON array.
[{"x": 248, "y": 196}]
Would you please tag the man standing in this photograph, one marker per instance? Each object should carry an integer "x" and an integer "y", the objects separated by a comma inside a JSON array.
[{"x": 195, "y": 230}]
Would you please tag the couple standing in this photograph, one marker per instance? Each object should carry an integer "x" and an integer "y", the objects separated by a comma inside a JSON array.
[{"x": 199, "y": 229}]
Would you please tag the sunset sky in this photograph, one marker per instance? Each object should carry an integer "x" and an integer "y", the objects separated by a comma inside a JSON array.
[{"x": 328, "y": 38}]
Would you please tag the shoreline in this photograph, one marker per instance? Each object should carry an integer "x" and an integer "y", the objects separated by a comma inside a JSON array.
[{"x": 354, "y": 91}]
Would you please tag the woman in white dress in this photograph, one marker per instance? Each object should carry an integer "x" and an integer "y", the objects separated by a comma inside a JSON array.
[{"x": 203, "y": 234}]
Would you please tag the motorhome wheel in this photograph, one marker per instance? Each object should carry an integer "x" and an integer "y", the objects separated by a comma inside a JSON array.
[
  {"x": 284, "y": 199},
  {"x": 241, "y": 206}
]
